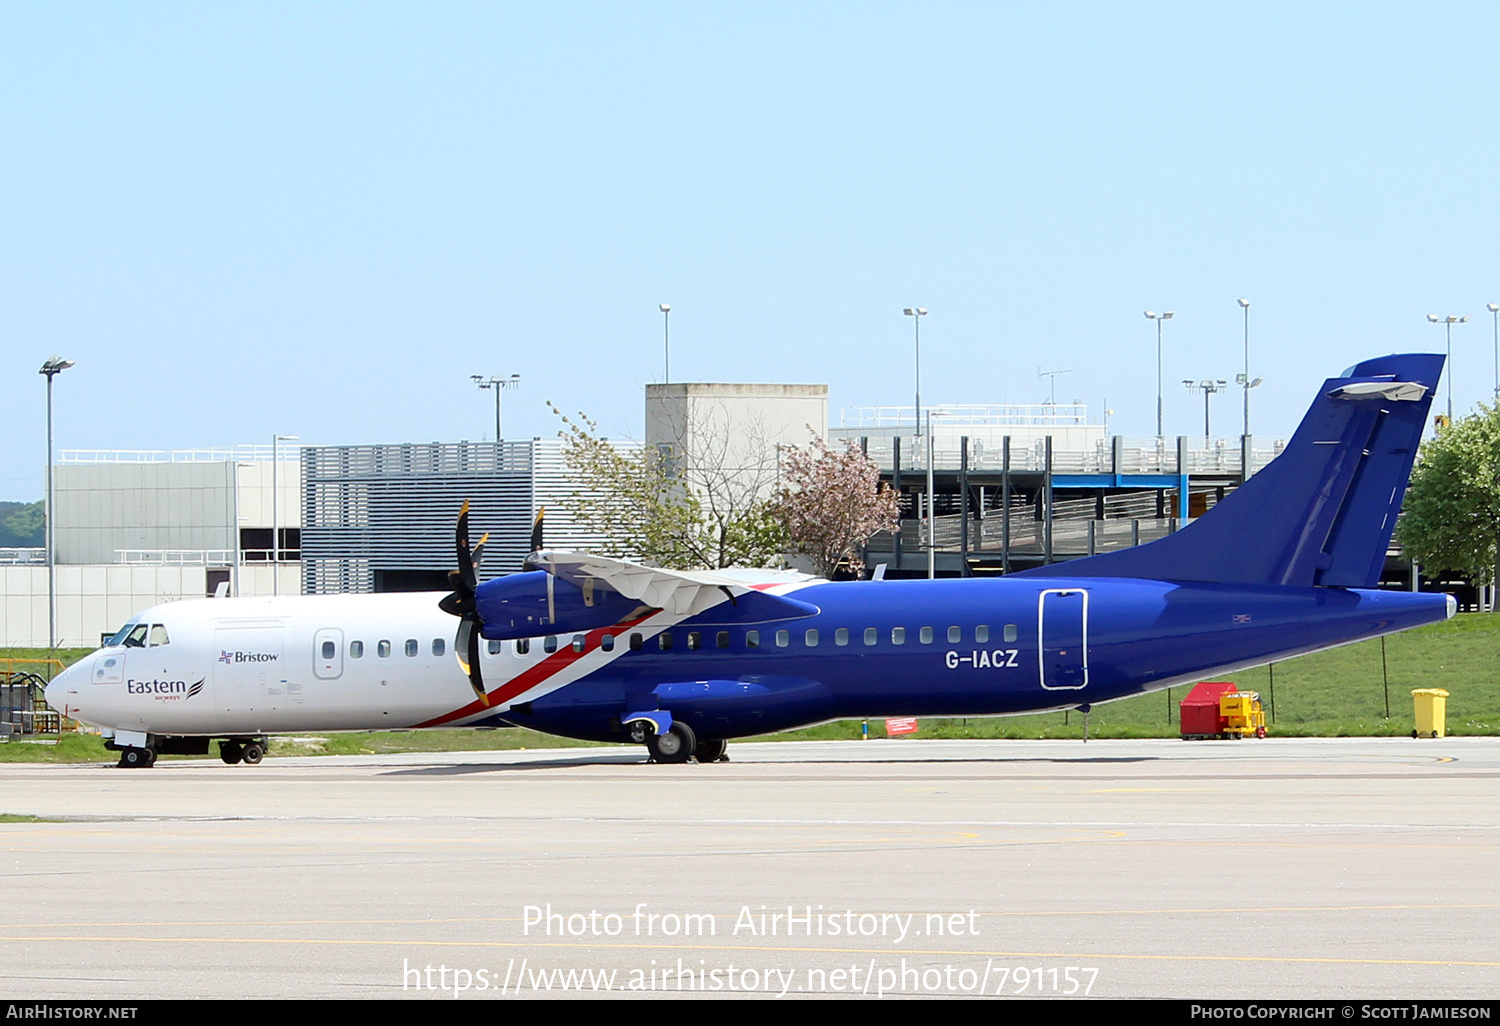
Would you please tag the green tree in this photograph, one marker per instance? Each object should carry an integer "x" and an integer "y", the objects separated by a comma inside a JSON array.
[
  {"x": 22, "y": 525},
  {"x": 682, "y": 511},
  {"x": 1451, "y": 517}
]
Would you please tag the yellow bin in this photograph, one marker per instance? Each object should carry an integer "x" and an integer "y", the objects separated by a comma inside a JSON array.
[{"x": 1432, "y": 712}]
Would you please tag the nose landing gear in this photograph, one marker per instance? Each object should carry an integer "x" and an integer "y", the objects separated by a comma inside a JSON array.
[{"x": 136, "y": 758}]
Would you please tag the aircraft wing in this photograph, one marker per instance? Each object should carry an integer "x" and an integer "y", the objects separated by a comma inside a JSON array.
[{"x": 679, "y": 592}]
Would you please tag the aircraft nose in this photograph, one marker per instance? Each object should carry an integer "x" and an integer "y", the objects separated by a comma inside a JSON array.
[{"x": 57, "y": 689}]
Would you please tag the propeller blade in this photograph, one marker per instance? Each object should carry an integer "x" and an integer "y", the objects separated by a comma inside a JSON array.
[
  {"x": 461, "y": 543},
  {"x": 466, "y": 647},
  {"x": 536, "y": 530},
  {"x": 460, "y": 603},
  {"x": 476, "y": 680}
]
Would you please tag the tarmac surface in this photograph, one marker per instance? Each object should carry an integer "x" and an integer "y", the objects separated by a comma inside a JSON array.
[{"x": 1327, "y": 869}]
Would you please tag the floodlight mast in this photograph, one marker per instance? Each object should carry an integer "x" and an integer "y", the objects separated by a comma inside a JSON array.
[
  {"x": 1208, "y": 387},
  {"x": 1158, "y": 318},
  {"x": 1448, "y": 322},
  {"x": 666, "y": 342},
  {"x": 1494, "y": 309},
  {"x": 499, "y": 385},
  {"x": 54, "y": 366},
  {"x": 916, "y": 313}
]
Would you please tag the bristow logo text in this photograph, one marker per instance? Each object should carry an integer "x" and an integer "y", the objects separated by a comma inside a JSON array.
[{"x": 248, "y": 657}]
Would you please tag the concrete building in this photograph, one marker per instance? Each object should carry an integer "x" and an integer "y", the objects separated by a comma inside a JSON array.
[{"x": 134, "y": 528}]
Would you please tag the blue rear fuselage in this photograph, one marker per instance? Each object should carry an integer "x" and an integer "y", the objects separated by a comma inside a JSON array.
[{"x": 958, "y": 648}]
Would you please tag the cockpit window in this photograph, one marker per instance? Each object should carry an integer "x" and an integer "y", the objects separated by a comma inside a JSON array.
[
  {"x": 135, "y": 637},
  {"x": 158, "y": 635},
  {"x": 120, "y": 635}
]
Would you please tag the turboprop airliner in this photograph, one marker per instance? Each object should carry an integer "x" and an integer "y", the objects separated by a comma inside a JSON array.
[{"x": 609, "y": 650}]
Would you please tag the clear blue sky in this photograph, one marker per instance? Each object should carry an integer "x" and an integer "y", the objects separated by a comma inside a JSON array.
[{"x": 320, "y": 219}]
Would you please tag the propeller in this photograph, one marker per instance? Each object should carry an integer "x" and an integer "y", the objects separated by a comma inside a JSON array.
[
  {"x": 536, "y": 538},
  {"x": 461, "y": 604}
]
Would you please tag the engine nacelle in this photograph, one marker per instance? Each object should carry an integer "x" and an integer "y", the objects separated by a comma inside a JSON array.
[{"x": 530, "y": 604}]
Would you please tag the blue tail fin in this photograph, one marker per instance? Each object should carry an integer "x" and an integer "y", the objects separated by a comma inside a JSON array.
[{"x": 1322, "y": 512}]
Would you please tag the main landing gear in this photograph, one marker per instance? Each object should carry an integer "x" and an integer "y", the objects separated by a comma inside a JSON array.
[
  {"x": 250, "y": 751},
  {"x": 679, "y": 744}
]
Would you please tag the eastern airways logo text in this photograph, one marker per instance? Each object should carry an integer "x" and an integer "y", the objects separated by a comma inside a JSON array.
[
  {"x": 247, "y": 657},
  {"x": 170, "y": 690}
]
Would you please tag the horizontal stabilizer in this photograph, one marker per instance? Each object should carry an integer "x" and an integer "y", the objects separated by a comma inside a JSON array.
[{"x": 1322, "y": 512}]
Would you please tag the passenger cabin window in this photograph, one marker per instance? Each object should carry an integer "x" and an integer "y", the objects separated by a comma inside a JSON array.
[
  {"x": 523, "y": 646},
  {"x": 783, "y": 639},
  {"x": 695, "y": 641},
  {"x": 159, "y": 636},
  {"x": 1010, "y": 632},
  {"x": 752, "y": 639},
  {"x": 872, "y": 635},
  {"x": 438, "y": 647},
  {"x": 579, "y": 642},
  {"x": 549, "y": 643},
  {"x": 607, "y": 642},
  {"x": 493, "y": 647},
  {"x": 898, "y": 635},
  {"x": 329, "y": 648},
  {"x": 356, "y": 650},
  {"x": 664, "y": 641},
  {"x": 722, "y": 639},
  {"x": 411, "y": 648},
  {"x": 383, "y": 649},
  {"x": 636, "y": 643},
  {"x": 982, "y": 633},
  {"x": 955, "y": 635},
  {"x": 841, "y": 636},
  {"x": 811, "y": 637},
  {"x": 926, "y": 635}
]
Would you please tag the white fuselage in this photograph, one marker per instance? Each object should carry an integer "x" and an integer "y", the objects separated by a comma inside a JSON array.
[{"x": 255, "y": 665}]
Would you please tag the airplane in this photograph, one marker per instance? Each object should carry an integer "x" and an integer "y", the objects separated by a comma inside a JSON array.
[{"x": 606, "y": 649}]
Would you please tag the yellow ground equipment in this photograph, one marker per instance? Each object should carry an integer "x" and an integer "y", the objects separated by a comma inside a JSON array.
[
  {"x": 1241, "y": 714},
  {"x": 1431, "y": 712}
]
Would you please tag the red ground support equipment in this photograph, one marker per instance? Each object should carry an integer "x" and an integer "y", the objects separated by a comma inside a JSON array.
[{"x": 1199, "y": 711}]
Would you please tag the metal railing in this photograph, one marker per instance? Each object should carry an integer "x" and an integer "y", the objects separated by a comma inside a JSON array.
[
  {"x": 23, "y": 556},
  {"x": 238, "y": 453},
  {"x": 201, "y": 557},
  {"x": 966, "y": 415},
  {"x": 1118, "y": 454}
]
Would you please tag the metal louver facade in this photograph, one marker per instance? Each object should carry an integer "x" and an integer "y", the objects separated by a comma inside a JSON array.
[{"x": 370, "y": 508}]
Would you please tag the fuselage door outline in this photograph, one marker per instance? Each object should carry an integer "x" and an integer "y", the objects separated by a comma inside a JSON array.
[{"x": 1063, "y": 638}]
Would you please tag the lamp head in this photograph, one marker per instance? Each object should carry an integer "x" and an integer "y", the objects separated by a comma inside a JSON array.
[{"x": 1244, "y": 303}]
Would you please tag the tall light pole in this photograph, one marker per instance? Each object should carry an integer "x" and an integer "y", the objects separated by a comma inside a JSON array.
[
  {"x": 499, "y": 385},
  {"x": 1494, "y": 309},
  {"x": 1448, "y": 323},
  {"x": 1158, "y": 318},
  {"x": 54, "y": 366},
  {"x": 916, "y": 313},
  {"x": 276, "y": 441},
  {"x": 666, "y": 343},
  {"x": 1244, "y": 378},
  {"x": 1207, "y": 387}
]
